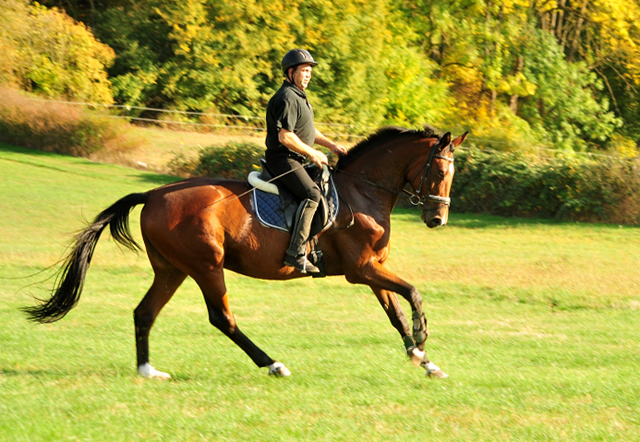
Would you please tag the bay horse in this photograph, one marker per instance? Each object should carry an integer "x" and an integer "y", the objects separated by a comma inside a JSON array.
[{"x": 200, "y": 226}]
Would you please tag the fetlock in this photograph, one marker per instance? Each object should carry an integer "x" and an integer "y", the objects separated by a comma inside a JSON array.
[{"x": 419, "y": 328}]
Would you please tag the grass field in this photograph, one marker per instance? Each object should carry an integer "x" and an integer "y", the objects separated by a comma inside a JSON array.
[{"x": 536, "y": 323}]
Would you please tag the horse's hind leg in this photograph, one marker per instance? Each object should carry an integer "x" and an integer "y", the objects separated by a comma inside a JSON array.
[
  {"x": 215, "y": 295},
  {"x": 166, "y": 281}
]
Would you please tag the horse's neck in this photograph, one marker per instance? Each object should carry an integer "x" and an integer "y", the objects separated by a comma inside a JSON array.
[
  {"x": 384, "y": 165},
  {"x": 378, "y": 178}
]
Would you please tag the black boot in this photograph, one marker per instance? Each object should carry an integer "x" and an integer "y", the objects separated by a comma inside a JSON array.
[
  {"x": 301, "y": 263},
  {"x": 296, "y": 255}
]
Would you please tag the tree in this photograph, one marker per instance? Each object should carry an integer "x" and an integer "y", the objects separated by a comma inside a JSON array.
[
  {"x": 46, "y": 52},
  {"x": 225, "y": 55},
  {"x": 495, "y": 55},
  {"x": 604, "y": 34}
]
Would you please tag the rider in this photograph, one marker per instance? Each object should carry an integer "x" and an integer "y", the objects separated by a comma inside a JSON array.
[{"x": 290, "y": 137}]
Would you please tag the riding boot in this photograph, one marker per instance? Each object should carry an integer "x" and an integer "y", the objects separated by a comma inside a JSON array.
[{"x": 296, "y": 254}]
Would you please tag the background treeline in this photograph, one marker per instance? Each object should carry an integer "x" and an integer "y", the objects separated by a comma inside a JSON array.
[{"x": 561, "y": 73}]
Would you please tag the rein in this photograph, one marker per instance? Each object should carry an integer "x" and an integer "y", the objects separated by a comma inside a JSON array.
[{"x": 229, "y": 198}]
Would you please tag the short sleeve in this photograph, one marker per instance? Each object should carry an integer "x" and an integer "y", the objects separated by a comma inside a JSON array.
[{"x": 286, "y": 115}]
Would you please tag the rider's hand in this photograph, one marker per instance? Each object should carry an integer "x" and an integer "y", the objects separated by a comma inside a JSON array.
[
  {"x": 318, "y": 158},
  {"x": 338, "y": 148}
]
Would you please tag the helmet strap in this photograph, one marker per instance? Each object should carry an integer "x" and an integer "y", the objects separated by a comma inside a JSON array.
[{"x": 290, "y": 75}]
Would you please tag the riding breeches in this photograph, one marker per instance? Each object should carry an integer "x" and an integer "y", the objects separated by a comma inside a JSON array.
[{"x": 293, "y": 176}]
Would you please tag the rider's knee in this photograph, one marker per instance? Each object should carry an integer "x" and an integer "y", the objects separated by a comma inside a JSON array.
[{"x": 314, "y": 194}]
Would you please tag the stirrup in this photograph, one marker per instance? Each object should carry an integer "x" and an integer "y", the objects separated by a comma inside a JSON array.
[{"x": 302, "y": 263}]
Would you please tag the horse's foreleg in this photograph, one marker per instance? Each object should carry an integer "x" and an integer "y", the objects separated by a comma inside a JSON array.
[
  {"x": 383, "y": 282},
  {"x": 376, "y": 275},
  {"x": 221, "y": 317},
  {"x": 165, "y": 284},
  {"x": 389, "y": 302}
]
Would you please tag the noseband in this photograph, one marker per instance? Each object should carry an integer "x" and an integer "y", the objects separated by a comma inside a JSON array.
[{"x": 418, "y": 200}]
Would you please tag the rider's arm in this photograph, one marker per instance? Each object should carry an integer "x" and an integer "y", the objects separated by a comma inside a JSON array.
[
  {"x": 326, "y": 142},
  {"x": 293, "y": 143}
]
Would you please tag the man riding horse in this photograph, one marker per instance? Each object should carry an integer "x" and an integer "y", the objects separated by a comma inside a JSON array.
[{"x": 291, "y": 135}]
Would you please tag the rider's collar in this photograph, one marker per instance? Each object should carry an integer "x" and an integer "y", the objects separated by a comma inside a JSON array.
[{"x": 295, "y": 88}]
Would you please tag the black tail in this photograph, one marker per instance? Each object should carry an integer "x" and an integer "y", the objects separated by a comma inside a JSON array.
[{"x": 70, "y": 278}]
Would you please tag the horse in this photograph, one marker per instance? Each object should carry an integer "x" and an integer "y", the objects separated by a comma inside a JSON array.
[{"x": 199, "y": 227}]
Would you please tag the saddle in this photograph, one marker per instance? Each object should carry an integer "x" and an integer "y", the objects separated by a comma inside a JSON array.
[{"x": 276, "y": 207}]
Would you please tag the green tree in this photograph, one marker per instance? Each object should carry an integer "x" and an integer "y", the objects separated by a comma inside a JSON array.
[
  {"x": 496, "y": 56},
  {"x": 225, "y": 55},
  {"x": 605, "y": 35},
  {"x": 46, "y": 52},
  {"x": 524, "y": 71}
]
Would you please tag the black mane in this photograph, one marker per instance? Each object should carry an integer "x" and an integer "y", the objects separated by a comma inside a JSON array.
[{"x": 383, "y": 135}]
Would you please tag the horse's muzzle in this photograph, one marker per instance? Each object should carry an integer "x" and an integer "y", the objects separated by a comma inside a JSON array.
[
  {"x": 434, "y": 222},
  {"x": 433, "y": 218}
]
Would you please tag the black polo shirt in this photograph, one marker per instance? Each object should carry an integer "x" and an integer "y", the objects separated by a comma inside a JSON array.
[{"x": 289, "y": 109}]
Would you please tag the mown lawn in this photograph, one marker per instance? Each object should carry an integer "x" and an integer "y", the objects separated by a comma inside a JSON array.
[{"x": 535, "y": 322}]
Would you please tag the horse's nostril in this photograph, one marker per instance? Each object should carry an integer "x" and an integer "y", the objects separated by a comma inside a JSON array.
[{"x": 435, "y": 222}]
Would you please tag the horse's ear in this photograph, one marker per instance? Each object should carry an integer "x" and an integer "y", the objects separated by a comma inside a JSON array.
[
  {"x": 458, "y": 141},
  {"x": 444, "y": 141}
]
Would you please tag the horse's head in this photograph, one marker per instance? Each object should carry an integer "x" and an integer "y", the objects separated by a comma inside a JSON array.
[{"x": 432, "y": 182}]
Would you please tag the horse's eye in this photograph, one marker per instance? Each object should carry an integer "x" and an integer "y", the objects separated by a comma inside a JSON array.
[{"x": 441, "y": 174}]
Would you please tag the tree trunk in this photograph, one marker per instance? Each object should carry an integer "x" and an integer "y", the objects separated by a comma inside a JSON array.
[
  {"x": 576, "y": 35},
  {"x": 513, "y": 102},
  {"x": 559, "y": 23}
]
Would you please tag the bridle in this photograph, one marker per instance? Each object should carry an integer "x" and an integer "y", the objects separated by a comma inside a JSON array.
[{"x": 415, "y": 197}]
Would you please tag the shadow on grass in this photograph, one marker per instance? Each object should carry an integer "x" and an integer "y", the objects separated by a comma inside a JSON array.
[
  {"x": 154, "y": 178},
  {"x": 11, "y": 372},
  {"x": 16, "y": 149},
  {"x": 481, "y": 221}
]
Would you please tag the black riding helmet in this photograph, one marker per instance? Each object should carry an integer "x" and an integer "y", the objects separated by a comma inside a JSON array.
[{"x": 297, "y": 57}]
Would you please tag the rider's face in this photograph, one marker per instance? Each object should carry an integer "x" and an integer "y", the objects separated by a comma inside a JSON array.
[{"x": 302, "y": 75}]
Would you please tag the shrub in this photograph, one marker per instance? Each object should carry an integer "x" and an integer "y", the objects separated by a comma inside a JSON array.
[
  {"x": 232, "y": 161},
  {"x": 60, "y": 128},
  {"x": 512, "y": 184}
]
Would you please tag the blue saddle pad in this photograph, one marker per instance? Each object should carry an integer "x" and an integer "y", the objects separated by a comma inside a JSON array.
[{"x": 270, "y": 212}]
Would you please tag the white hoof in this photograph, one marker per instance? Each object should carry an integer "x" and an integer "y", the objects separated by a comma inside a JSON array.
[
  {"x": 147, "y": 371},
  {"x": 434, "y": 371},
  {"x": 417, "y": 357},
  {"x": 278, "y": 369}
]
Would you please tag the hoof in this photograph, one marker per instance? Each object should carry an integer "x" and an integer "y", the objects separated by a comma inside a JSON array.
[
  {"x": 417, "y": 356},
  {"x": 278, "y": 370},
  {"x": 147, "y": 371},
  {"x": 433, "y": 371}
]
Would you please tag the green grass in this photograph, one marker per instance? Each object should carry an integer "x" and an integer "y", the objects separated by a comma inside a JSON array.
[{"x": 535, "y": 322}]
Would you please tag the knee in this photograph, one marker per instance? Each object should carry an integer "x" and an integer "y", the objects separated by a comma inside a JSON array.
[{"x": 314, "y": 194}]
